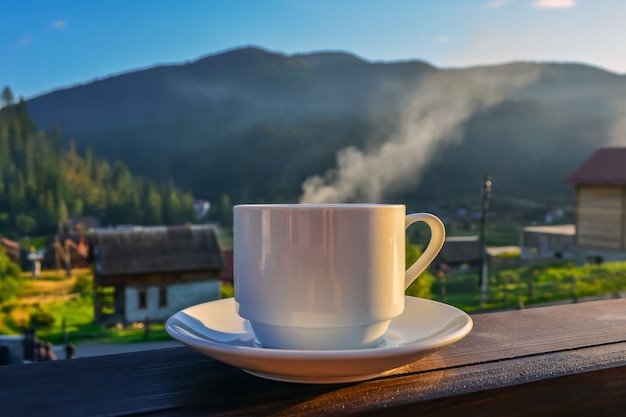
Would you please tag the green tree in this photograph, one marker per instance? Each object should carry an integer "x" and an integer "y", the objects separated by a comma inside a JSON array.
[
  {"x": 7, "y": 96},
  {"x": 422, "y": 286},
  {"x": 11, "y": 281},
  {"x": 25, "y": 224},
  {"x": 41, "y": 184},
  {"x": 63, "y": 213},
  {"x": 42, "y": 318},
  {"x": 154, "y": 207}
]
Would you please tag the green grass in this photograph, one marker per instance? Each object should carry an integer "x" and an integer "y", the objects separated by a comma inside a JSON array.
[
  {"x": 55, "y": 295},
  {"x": 508, "y": 288},
  {"x": 534, "y": 284},
  {"x": 77, "y": 314}
]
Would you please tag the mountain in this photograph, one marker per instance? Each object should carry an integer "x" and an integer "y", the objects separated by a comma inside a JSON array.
[{"x": 255, "y": 125}]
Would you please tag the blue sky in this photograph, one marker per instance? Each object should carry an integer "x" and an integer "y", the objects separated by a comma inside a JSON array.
[{"x": 46, "y": 45}]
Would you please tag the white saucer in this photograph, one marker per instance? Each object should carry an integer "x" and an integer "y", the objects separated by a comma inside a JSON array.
[{"x": 215, "y": 329}]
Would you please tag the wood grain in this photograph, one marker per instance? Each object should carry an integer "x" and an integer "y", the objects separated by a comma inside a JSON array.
[{"x": 560, "y": 360}]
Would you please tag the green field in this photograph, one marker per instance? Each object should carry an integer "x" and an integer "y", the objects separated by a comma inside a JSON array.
[
  {"x": 60, "y": 308},
  {"x": 550, "y": 282}
]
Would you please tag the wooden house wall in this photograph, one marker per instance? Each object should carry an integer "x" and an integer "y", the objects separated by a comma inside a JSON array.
[
  {"x": 156, "y": 278},
  {"x": 601, "y": 217},
  {"x": 132, "y": 283}
]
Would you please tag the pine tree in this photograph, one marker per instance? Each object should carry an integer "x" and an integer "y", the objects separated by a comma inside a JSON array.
[{"x": 7, "y": 97}]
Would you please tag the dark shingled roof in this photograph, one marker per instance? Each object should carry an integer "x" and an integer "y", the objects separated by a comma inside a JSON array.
[
  {"x": 457, "y": 250},
  {"x": 144, "y": 250},
  {"x": 605, "y": 167}
]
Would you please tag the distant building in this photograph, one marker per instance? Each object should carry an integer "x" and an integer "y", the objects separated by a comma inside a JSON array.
[
  {"x": 66, "y": 251},
  {"x": 458, "y": 253},
  {"x": 548, "y": 242},
  {"x": 201, "y": 209},
  {"x": 553, "y": 214},
  {"x": 80, "y": 224},
  {"x": 149, "y": 273},
  {"x": 601, "y": 206},
  {"x": 16, "y": 252}
]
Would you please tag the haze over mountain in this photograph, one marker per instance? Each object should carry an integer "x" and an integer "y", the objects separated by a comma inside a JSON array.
[{"x": 261, "y": 126}]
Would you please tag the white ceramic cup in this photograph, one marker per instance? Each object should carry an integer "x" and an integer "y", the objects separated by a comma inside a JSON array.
[{"x": 324, "y": 276}]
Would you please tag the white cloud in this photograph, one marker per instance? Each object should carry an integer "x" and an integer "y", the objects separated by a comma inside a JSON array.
[
  {"x": 58, "y": 24},
  {"x": 494, "y": 4},
  {"x": 443, "y": 39},
  {"x": 554, "y": 4}
]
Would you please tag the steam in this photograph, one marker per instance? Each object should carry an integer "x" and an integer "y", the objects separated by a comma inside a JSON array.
[{"x": 432, "y": 118}]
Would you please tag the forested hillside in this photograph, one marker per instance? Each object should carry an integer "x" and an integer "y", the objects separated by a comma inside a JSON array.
[
  {"x": 260, "y": 126},
  {"x": 43, "y": 182}
]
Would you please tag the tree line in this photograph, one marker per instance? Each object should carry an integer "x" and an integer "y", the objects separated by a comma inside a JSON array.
[{"x": 43, "y": 182}]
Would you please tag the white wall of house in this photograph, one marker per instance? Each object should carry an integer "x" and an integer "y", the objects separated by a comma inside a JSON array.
[
  {"x": 548, "y": 242},
  {"x": 179, "y": 296}
]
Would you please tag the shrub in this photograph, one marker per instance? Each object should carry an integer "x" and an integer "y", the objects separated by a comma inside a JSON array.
[
  {"x": 84, "y": 285},
  {"x": 41, "y": 319},
  {"x": 227, "y": 291},
  {"x": 422, "y": 286},
  {"x": 11, "y": 281}
]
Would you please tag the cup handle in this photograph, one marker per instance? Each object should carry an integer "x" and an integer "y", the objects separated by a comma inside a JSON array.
[{"x": 437, "y": 238}]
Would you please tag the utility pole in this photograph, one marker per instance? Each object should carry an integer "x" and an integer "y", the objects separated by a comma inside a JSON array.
[{"x": 483, "y": 250}]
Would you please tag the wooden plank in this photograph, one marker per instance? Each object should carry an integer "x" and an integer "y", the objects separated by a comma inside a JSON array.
[
  {"x": 599, "y": 192},
  {"x": 605, "y": 200},
  {"x": 597, "y": 216},
  {"x": 600, "y": 216},
  {"x": 612, "y": 205},
  {"x": 588, "y": 233},
  {"x": 593, "y": 214},
  {"x": 511, "y": 358},
  {"x": 542, "y": 385},
  {"x": 598, "y": 243}
]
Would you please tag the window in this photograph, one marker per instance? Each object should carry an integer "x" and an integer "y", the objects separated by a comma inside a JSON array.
[
  {"x": 143, "y": 299},
  {"x": 162, "y": 297}
]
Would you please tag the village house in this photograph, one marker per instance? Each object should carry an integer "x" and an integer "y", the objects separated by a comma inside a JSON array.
[
  {"x": 81, "y": 224},
  {"x": 599, "y": 232},
  {"x": 16, "y": 252},
  {"x": 601, "y": 206},
  {"x": 150, "y": 273},
  {"x": 548, "y": 242},
  {"x": 66, "y": 251},
  {"x": 457, "y": 254}
]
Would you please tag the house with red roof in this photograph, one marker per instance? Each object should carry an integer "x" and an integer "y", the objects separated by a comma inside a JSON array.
[{"x": 601, "y": 206}]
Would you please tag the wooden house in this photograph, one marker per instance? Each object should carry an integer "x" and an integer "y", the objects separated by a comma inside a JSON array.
[
  {"x": 16, "y": 252},
  {"x": 81, "y": 224},
  {"x": 458, "y": 253},
  {"x": 66, "y": 251},
  {"x": 601, "y": 206},
  {"x": 548, "y": 242},
  {"x": 149, "y": 273}
]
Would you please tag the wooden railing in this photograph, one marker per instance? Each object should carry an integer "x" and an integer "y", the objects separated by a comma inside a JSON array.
[{"x": 552, "y": 361}]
